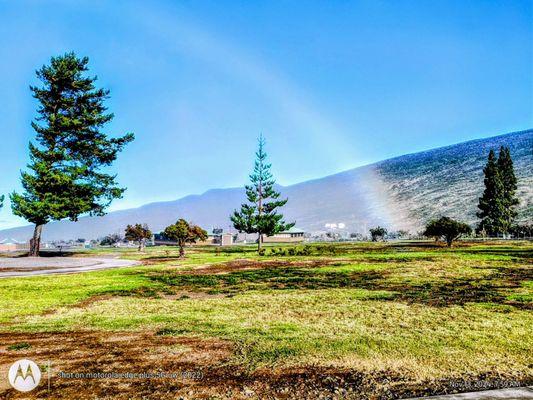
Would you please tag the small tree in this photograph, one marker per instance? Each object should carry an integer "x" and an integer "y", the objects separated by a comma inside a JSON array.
[
  {"x": 378, "y": 233},
  {"x": 1, "y": 201},
  {"x": 138, "y": 233},
  {"x": 66, "y": 177},
  {"x": 522, "y": 231},
  {"x": 447, "y": 228},
  {"x": 260, "y": 215},
  {"x": 183, "y": 232},
  {"x": 111, "y": 240}
]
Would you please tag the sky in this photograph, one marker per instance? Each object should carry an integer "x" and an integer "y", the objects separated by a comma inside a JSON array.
[{"x": 332, "y": 85}]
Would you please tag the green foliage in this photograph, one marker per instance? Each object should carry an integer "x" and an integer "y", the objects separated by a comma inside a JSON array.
[
  {"x": 378, "y": 233},
  {"x": 1, "y": 201},
  {"x": 260, "y": 215},
  {"x": 509, "y": 182},
  {"x": 138, "y": 233},
  {"x": 111, "y": 239},
  {"x": 66, "y": 178},
  {"x": 498, "y": 202},
  {"x": 183, "y": 232},
  {"x": 447, "y": 228},
  {"x": 522, "y": 231},
  {"x": 19, "y": 346}
]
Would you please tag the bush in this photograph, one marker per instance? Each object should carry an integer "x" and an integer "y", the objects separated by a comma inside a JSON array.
[{"x": 307, "y": 250}]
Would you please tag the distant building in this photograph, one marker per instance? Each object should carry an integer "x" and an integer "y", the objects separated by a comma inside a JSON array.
[
  {"x": 293, "y": 235},
  {"x": 13, "y": 245},
  {"x": 215, "y": 237}
]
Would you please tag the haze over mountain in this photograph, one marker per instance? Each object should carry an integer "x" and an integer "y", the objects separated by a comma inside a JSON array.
[{"x": 399, "y": 193}]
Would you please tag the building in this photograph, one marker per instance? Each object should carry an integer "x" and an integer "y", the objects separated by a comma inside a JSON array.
[
  {"x": 13, "y": 245},
  {"x": 293, "y": 235},
  {"x": 216, "y": 237}
]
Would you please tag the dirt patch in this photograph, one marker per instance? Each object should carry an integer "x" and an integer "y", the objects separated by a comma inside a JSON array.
[
  {"x": 19, "y": 269},
  {"x": 160, "y": 260},
  {"x": 246, "y": 264},
  {"x": 201, "y": 369},
  {"x": 192, "y": 361}
]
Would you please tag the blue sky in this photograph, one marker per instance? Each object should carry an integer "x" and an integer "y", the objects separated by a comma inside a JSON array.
[{"x": 332, "y": 84}]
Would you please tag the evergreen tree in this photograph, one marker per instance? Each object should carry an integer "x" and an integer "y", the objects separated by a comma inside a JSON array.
[
  {"x": 1, "y": 201},
  {"x": 260, "y": 215},
  {"x": 492, "y": 203},
  {"x": 65, "y": 178},
  {"x": 509, "y": 182}
]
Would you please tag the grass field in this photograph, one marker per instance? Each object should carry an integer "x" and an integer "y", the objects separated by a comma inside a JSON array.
[{"x": 349, "y": 320}]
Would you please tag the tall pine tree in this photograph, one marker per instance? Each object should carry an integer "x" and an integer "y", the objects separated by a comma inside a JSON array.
[
  {"x": 492, "y": 204},
  {"x": 66, "y": 177},
  {"x": 260, "y": 214},
  {"x": 509, "y": 182}
]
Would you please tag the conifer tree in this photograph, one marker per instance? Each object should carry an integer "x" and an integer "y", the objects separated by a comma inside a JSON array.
[
  {"x": 65, "y": 178},
  {"x": 260, "y": 214},
  {"x": 509, "y": 182},
  {"x": 491, "y": 204}
]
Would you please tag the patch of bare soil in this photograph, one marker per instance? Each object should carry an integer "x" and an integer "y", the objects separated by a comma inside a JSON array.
[
  {"x": 245, "y": 264},
  {"x": 26, "y": 269},
  {"x": 196, "y": 369}
]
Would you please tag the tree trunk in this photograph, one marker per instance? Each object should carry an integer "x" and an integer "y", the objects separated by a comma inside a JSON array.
[
  {"x": 35, "y": 242},
  {"x": 449, "y": 241},
  {"x": 141, "y": 245},
  {"x": 182, "y": 250},
  {"x": 259, "y": 241}
]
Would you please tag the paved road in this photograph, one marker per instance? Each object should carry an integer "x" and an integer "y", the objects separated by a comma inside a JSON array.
[
  {"x": 29, "y": 266},
  {"x": 510, "y": 393}
]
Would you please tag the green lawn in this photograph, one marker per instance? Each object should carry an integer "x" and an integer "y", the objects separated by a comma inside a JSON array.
[{"x": 429, "y": 312}]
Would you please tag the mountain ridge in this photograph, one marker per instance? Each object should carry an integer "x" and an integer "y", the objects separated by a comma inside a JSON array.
[{"x": 402, "y": 192}]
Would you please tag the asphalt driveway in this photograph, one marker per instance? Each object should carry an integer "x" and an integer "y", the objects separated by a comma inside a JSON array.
[{"x": 30, "y": 266}]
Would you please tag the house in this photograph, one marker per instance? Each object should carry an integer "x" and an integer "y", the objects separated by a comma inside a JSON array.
[{"x": 293, "y": 235}]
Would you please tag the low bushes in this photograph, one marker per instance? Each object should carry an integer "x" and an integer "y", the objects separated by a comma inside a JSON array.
[{"x": 305, "y": 250}]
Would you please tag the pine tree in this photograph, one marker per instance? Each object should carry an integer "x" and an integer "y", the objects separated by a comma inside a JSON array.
[
  {"x": 509, "y": 182},
  {"x": 260, "y": 215},
  {"x": 65, "y": 178},
  {"x": 492, "y": 204}
]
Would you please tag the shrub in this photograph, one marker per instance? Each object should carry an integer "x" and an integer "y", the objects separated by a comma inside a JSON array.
[{"x": 378, "y": 233}]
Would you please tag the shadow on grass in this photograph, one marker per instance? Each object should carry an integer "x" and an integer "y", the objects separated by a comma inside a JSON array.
[{"x": 493, "y": 288}]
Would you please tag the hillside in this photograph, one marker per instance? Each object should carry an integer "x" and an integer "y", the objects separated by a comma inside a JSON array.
[{"x": 400, "y": 193}]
